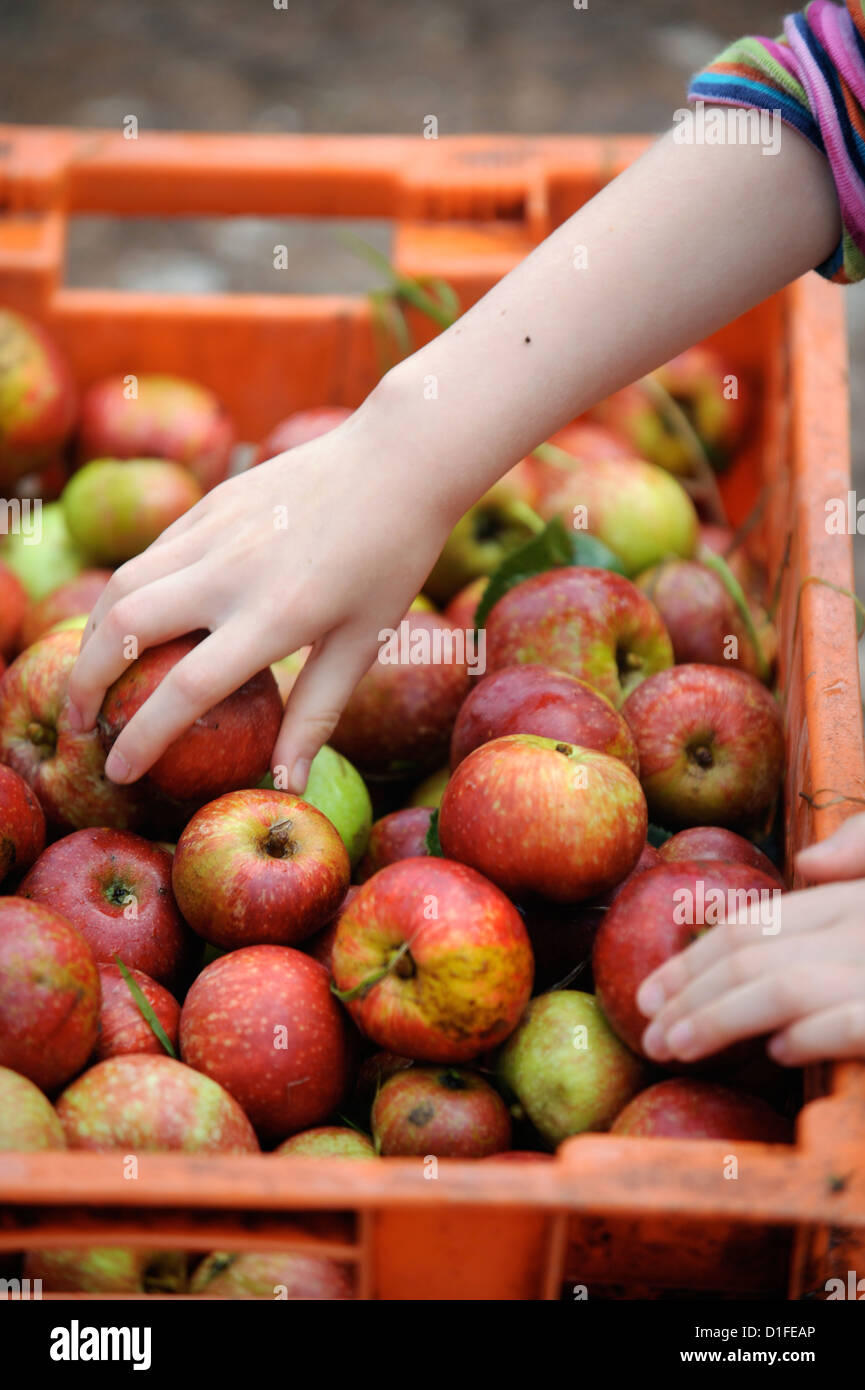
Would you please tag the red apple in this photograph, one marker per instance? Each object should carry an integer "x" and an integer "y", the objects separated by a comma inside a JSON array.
[
  {"x": 259, "y": 867},
  {"x": 687, "y": 1108},
  {"x": 146, "y": 1104},
  {"x": 65, "y": 770},
  {"x": 281, "y": 1275},
  {"x": 49, "y": 994},
  {"x": 281, "y": 1045},
  {"x": 714, "y": 842},
  {"x": 711, "y": 746},
  {"x": 590, "y": 622},
  {"x": 38, "y": 404},
  {"x": 28, "y": 1120},
  {"x": 22, "y": 824},
  {"x": 721, "y": 540},
  {"x": 440, "y": 1112},
  {"x": 227, "y": 748},
  {"x": 122, "y": 1026},
  {"x": 68, "y": 601},
  {"x": 371, "y": 1076},
  {"x": 703, "y": 621},
  {"x": 13, "y": 604},
  {"x": 398, "y": 721},
  {"x": 433, "y": 961},
  {"x": 540, "y": 700},
  {"x": 660, "y": 913},
  {"x": 300, "y": 428},
  {"x": 320, "y": 946},
  {"x": 329, "y": 1141},
  {"x": 537, "y": 816},
  {"x": 649, "y": 858},
  {"x": 115, "y": 887},
  {"x": 160, "y": 417},
  {"x": 400, "y": 835},
  {"x": 461, "y": 610}
]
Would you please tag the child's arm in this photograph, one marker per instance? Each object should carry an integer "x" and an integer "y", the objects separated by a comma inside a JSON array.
[{"x": 686, "y": 239}]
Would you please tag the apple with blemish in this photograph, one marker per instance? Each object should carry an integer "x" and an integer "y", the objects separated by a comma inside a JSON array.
[
  {"x": 28, "y": 1120},
  {"x": 122, "y": 1026},
  {"x": 22, "y": 824},
  {"x": 399, "y": 835},
  {"x": 443, "y": 1111}
]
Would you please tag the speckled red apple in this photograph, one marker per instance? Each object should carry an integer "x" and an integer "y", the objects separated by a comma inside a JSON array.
[
  {"x": 688, "y": 1108},
  {"x": 703, "y": 620},
  {"x": 28, "y": 1120},
  {"x": 440, "y": 1111},
  {"x": 329, "y": 1141},
  {"x": 399, "y": 835},
  {"x": 22, "y": 824},
  {"x": 122, "y": 1026}
]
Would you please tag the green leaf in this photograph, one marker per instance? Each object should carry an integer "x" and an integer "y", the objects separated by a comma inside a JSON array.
[
  {"x": 589, "y": 550},
  {"x": 657, "y": 836},
  {"x": 433, "y": 847},
  {"x": 145, "y": 1008},
  {"x": 550, "y": 549}
]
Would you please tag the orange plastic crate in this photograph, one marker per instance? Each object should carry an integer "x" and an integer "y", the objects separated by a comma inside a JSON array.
[{"x": 622, "y": 1216}]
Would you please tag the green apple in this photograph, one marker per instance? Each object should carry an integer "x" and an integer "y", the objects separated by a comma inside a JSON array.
[
  {"x": 497, "y": 524},
  {"x": 430, "y": 791},
  {"x": 116, "y": 508},
  {"x": 336, "y": 788},
  {"x": 566, "y": 1067},
  {"x": 287, "y": 669},
  {"x": 75, "y": 624},
  {"x": 53, "y": 560}
]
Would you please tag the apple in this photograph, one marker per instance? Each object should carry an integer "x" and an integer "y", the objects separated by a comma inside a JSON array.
[
  {"x": 657, "y": 915},
  {"x": 287, "y": 669},
  {"x": 46, "y": 556},
  {"x": 28, "y": 1120},
  {"x": 139, "y": 1103},
  {"x": 711, "y": 746},
  {"x": 13, "y": 603},
  {"x": 714, "y": 842},
  {"x": 227, "y": 748},
  {"x": 496, "y": 524},
  {"x": 590, "y": 622},
  {"x": 400, "y": 835},
  {"x": 432, "y": 961},
  {"x": 122, "y": 1026},
  {"x": 687, "y": 1108},
  {"x": 398, "y": 720},
  {"x": 108, "y": 1269},
  {"x": 320, "y": 946},
  {"x": 65, "y": 770},
  {"x": 116, "y": 509},
  {"x": 278, "y": 1274},
  {"x": 638, "y": 510},
  {"x": 441, "y": 1112},
  {"x": 49, "y": 994},
  {"x": 337, "y": 789},
  {"x": 329, "y": 1141},
  {"x": 44, "y": 483},
  {"x": 22, "y": 824},
  {"x": 430, "y": 791},
  {"x": 371, "y": 1076},
  {"x": 37, "y": 404},
  {"x": 157, "y": 416},
  {"x": 115, "y": 888},
  {"x": 520, "y": 1156},
  {"x": 300, "y": 428},
  {"x": 721, "y": 540},
  {"x": 566, "y": 1068},
  {"x": 259, "y": 867},
  {"x": 460, "y": 612},
  {"x": 540, "y": 700},
  {"x": 703, "y": 621},
  {"x": 282, "y": 1046},
  {"x": 70, "y": 600},
  {"x": 649, "y": 858},
  {"x": 537, "y": 816}
]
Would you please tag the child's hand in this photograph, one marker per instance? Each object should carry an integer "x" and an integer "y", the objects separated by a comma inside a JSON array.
[
  {"x": 804, "y": 984},
  {"x": 325, "y": 545}
]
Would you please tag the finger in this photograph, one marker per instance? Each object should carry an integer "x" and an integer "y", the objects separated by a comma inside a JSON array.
[
  {"x": 841, "y": 856},
  {"x": 329, "y": 675},
  {"x": 154, "y": 563},
  {"x": 824, "y": 1035}
]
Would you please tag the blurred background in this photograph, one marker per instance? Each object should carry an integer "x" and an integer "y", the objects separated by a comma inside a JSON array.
[{"x": 362, "y": 66}]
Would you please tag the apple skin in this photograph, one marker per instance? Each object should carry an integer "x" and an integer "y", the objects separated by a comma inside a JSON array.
[
  {"x": 329, "y": 1141},
  {"x": 590, "y": 622},
  {"x": 496, "y": 524},
  {"x": 400, "y": 835},
  {"x": 39, "y": 400},
  {"x": 287, "y": 669},
  {"x": 49, "y": 994},
  {"x": 277, "y": 1274},
  {"x": 430, "y": 791},
  {"x": 372, "y": 1074},
  {"x": 13, "y": 605},
  {"x": 460, "y": 612},
  {"x": 439, "y": 1111},
  {"x": 76, "y": 597},
  {"x": 320, "y": 946},
  {"x": 466, "y": 978},
  {"x": 168, "y": 419},
  {"x": 540, "y": 700},
  {"x": 115, "y": 888},
  {"x": 688, "y": 1108},
  {"x": 398, "y": 720},
  {"x": 701, "y": 617},
  {"x": 583, "y": 439},
  {"x": 107, "y": 1269},
  {"x": 231, "y": 1029},
  {"x": 65, "y": 770},
  {"x": 711, "y": 746},
  {"x": 714, "y": 842},
  {"x": 640, "y": 932},
  {"x": 300, "y": 428},
  {"x": 227, "y": 748},
  {"x": 115, "y": 509},
  {"x": 139, "y": 1103},
  {"x": 28, "y": 1120},
  {"x": 564, "y": 1089},
  {"x": 43, "y": 565},
  {"x": 259, "y": 867},
  {"x": 22, "y": 824},
  {"x": 720, "y": 540},
  {"x": 336, "y": 788},
  {"x": 496, "y": 816},
  {"x": 122, "y": 1029}
]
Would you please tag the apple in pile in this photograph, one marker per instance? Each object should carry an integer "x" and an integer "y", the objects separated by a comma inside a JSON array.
[{"x": 435, "y": 951}]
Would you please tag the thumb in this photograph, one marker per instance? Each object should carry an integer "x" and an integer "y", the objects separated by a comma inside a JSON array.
[{"x": 840, "y": 856}]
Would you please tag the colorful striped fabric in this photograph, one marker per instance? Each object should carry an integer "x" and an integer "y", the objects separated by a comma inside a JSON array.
[{"x": 814, "y": 76}]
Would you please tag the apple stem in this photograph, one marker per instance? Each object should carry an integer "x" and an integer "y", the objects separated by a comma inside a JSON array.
[
  {"x": 393, "y": 967},
  {"x": 42, "y": 737},
  {"x": 737, "y": 594},
  {"x": 279, "y": 843}
]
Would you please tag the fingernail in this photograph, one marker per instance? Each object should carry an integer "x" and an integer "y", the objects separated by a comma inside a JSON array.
[
  {"x": 72, "y": 717},
  {"x": 777, "y": 1049},
  {"x": 655, "y": 1044},
  {"x": 650, "y": 997},
  {"x": 681, "y": 1039},
  {"x": 300, "y": 775},
  {"x": 116, "y": 767}
]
